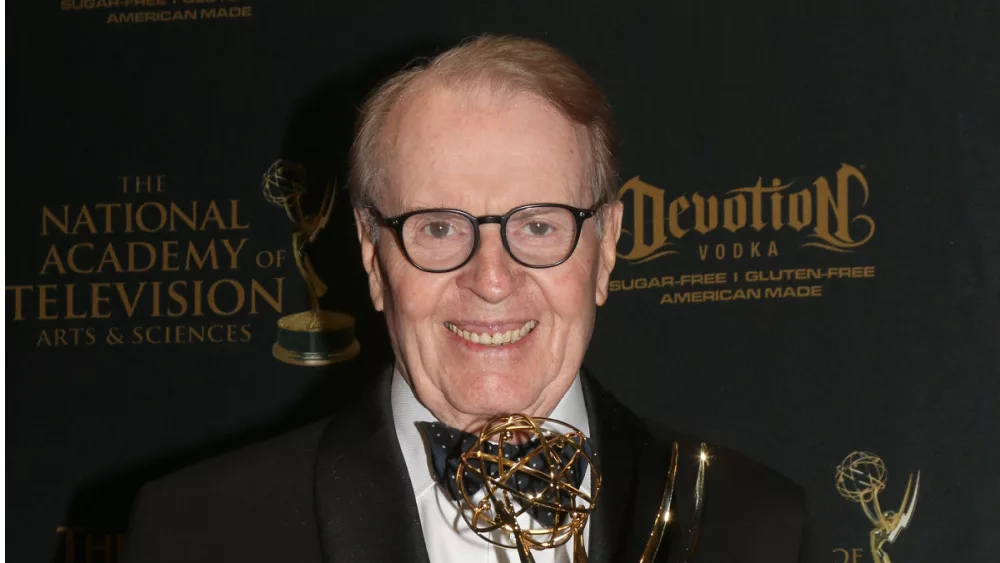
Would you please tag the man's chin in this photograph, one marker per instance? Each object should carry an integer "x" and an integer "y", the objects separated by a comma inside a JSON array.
[
  {"x": 502, "y": 401},
  {"x": 496, "y": 388}
]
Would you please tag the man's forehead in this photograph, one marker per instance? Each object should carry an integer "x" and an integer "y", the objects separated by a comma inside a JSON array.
[
  {"x": 438, "y": 133},
  {"x": 432, "y": 108}
]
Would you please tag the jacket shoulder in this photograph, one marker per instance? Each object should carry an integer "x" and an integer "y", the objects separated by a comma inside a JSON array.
[
  {"x": 240, "y": 504},
  {"x": 263, "y": 467}
]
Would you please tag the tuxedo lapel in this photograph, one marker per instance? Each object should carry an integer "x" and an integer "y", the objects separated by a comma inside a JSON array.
[
  {"x": 633, "y": 470},
  {"x": 365, "y": 508}
]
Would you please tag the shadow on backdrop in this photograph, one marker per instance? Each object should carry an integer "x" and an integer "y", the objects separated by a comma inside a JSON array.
[{"x": 318, "y": 136}]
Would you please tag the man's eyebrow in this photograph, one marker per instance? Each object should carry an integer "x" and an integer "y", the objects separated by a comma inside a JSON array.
[{"x": 426, "y": 205}]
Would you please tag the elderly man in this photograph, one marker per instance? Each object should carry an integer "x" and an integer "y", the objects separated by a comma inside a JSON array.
[{"x": 483, "y": 187}]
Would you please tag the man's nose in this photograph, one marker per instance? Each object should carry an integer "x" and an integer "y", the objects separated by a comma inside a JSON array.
[{"x": 491, "y": 274}]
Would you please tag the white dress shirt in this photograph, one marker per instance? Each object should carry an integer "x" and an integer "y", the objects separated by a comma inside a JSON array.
[{"x": 447, "y": 537}]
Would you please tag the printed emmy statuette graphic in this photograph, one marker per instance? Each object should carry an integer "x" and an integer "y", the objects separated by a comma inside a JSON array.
[
  {"x": 860, "y": 478},
  {"x": 316, "y": 337}
]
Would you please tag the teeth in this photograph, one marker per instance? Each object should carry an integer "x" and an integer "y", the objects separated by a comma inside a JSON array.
[{"x": 495, "y": 339}]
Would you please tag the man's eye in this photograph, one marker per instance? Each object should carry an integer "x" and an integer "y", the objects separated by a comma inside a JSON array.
[
  {"x": 538, "y": 228},
  {"x": 439, "y": 229}
]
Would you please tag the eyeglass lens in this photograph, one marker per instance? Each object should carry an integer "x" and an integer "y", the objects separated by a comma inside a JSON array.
[{"x": 536, "y": 236}]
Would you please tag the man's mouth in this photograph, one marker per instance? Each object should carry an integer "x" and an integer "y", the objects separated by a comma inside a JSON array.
[{"x": 493, "y": 338}]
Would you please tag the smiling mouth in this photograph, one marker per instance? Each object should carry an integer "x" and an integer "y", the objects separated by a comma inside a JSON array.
[{"x": 496, "y": 338}]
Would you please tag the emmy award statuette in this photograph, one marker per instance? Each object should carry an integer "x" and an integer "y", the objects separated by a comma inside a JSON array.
[
  {"x": 315, "y": 337},
  {"x": 558, "y": 451},
  {"x": 860, "y": 478}
]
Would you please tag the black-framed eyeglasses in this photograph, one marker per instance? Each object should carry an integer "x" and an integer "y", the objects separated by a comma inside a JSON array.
[{"x": 538, "y": 235}]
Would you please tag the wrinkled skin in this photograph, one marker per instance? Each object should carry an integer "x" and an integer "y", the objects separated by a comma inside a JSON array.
[{"x": 486, "y": 154}]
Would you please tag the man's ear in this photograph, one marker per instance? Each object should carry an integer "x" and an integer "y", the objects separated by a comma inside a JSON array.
[
  {"x": 369, "y": 259},
  {"x": 608, "y": 252}
]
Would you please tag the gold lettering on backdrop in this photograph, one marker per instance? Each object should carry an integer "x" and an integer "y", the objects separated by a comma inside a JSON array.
[
  {"x": 139, "y": 256},
  {"x": 823, "y": 212},
  {"x": 80, "y": 545},
  {"x": 853, "y": 555},
  {"x": 645, "y": 194},
  {"x": 190, "y": 334},
  {"x": 161, "y": 11},
  {"x": 740, "y": 294},
  {"x": 840, "y": 240},
  {"x": 742, "y": 285},
  {"x": 149, "y": 183},
  {"x": 66, "y": 337},
  {"x": 799, "y": 210},
  {"x": 734, "y": 213},
  {"x": 18, "y": 299},
  {"x": 147, "y": 217},
  {"x": 224, "y": 297},
  {"x": 196, "y": 254},
  {"x": 736, "y": 250},
  {"x": 706, "y": 213}
]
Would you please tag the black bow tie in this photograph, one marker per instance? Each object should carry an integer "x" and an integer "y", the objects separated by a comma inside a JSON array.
[{"x": 447, "y": 445}]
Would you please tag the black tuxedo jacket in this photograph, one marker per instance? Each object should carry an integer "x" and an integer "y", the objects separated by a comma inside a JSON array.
[{"x": 338, "y": 491}]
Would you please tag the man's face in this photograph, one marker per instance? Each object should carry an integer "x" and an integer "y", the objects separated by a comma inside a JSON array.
[{"x": 486, "y": 154}]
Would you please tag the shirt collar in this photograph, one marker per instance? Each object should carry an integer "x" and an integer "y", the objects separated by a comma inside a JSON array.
[{"x": 407, "y": 410}]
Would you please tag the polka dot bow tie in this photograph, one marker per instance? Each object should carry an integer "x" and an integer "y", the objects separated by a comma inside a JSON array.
[{"x": 447, "y": 445}]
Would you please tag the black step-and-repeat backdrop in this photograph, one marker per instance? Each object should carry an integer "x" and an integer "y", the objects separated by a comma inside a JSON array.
[{"x": 809, "y": 271}]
